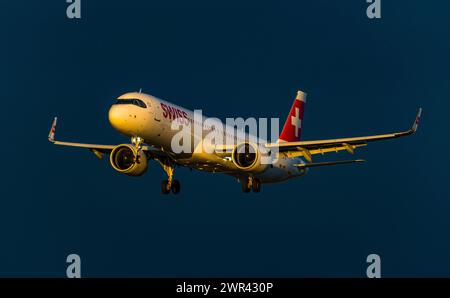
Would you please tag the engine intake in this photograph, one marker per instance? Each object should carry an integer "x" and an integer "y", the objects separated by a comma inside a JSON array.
[
  {"x": 126, "y": 160},
  {"x": 247, "y": 157}
]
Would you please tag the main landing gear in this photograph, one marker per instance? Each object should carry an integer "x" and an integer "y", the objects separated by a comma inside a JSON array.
[
  {"x": 251, "y": 184},
  {"x": 170, "y": 184}
]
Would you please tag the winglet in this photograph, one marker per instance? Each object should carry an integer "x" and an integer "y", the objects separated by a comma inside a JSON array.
[
  {"x": 416, "y": 121},
  {"x": 51, "y": 134}
]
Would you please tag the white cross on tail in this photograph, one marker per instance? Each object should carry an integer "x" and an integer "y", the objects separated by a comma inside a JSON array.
[{"x": 296, "y": 121}]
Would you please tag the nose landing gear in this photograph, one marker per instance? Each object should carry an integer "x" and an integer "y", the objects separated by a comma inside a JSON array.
[
  {"x": 170, "y": 184},
  {"x": 137, "y": 142},
  {"x": 168, "y": 166},
  {"x": 176, "y": 186}
]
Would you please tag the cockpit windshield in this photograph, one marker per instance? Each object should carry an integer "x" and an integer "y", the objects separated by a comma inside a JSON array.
[{"x": 136, "y": 102}]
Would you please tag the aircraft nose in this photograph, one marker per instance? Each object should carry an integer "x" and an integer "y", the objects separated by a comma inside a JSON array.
[{"x": 117, "y": 117}]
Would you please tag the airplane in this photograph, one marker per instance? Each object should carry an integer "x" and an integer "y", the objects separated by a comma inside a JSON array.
[{"x": 148, "y": 121}]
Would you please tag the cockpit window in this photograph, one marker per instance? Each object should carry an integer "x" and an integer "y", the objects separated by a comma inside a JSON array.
[{"x": 136, "y": 102}]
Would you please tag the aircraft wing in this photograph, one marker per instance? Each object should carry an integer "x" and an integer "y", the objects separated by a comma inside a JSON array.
[
  {"x": 97, "y": 149},
  {"x": 309, "y": 148}
]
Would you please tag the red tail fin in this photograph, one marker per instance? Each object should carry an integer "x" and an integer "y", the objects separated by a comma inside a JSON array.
[{"x": 292, "y": 130}]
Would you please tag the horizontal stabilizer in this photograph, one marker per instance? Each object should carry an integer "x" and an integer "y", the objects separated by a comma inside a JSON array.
[{"x": 329, "y": 163}]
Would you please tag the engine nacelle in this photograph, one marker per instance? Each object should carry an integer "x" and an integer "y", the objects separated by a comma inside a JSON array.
[
  {"x": 127, "y": 160},
  {"x": 247, "y": 157}
]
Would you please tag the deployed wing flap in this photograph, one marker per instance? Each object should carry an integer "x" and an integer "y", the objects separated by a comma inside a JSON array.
[{"x": 307, "y": 153}]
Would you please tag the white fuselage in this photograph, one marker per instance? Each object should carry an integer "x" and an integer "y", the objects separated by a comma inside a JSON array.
[{"x": 154, "y": 122}]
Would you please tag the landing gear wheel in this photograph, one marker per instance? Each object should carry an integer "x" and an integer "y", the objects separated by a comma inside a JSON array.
[
  {"x": 169, "y": 184},
  {"x": 256, "y": 185},
  {"x": 176, "y": 186},
  {"x": 245, "y": 185},
  {"x": 164, "y": 187}
]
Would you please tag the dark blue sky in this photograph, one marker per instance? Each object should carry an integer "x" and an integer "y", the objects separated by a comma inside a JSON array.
[{"x": 231, "y": 59}]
